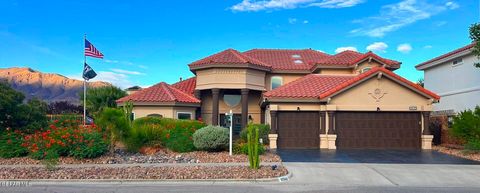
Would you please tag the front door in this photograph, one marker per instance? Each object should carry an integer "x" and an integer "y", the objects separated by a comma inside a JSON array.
[{"x": 237, "y": 123}]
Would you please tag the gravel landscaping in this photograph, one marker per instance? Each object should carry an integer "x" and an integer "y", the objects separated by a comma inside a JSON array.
[
  {"x": 162, "y": 156},
  {"x": 188, "y": 172},
  {"x": 457, "y": 151}
]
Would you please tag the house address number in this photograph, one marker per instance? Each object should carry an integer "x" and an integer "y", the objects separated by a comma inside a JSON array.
[{"x": 412, "y": 108}]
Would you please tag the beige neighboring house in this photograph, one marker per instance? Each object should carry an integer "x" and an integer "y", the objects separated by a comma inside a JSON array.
[{"x": 309, "y": 98}]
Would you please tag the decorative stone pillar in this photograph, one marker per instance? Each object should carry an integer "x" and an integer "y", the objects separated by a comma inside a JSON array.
[
  {"x": 215, "y": 112},
  {"x": 244, "y": 107},
  {"x": 426, "y": 123},
  {"x": 273, "y": 122},
  {"x": 323, "y": 131},
  {"x": 427, "y": 136},
  {"x": 331, "y": 123}
]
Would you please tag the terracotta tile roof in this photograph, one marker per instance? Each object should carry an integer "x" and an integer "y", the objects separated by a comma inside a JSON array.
[
  {"x": 228, "y": 57},
  {"x": 282, "y": 59},
  {"x": 322, "y": 86},
  {"x": 447, "y": 54},
  {"x": 187, "y": 85},
  {"x": 376, "y": 70},
  {"x": 309, "y": 86},
  {"x": 349, "y": 58},
  {"x": 161, "y": 92},
  {"x": 290, "y": 59}
]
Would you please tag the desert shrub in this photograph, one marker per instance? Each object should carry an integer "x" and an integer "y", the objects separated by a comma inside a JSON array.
[
  {"x": 174, "y": 134},
  {"x": 211, "y": 138},
  {"x": 113, "y": 121},
  {"x": 263, "y": 130},
  {"x": 466, "y": 126},
  {"x": 93, "y": 145},
  {"x": 11, "y": 144}
]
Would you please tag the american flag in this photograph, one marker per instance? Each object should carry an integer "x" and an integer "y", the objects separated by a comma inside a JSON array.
[{"x": 91, "y": 51}]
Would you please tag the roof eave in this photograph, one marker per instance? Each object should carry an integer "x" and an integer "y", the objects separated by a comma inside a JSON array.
[{"x": 424, "y": 66}]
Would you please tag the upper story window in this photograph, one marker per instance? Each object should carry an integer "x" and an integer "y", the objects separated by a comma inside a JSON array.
[
  {"x": 232, "y": 99},
  {"x": 277, "y": 81},
  {"x": 366, "y": 69},
  {"x": 457, "y": 62}
]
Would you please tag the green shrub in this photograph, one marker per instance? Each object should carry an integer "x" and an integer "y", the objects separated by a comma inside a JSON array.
[
  {"x": 473, "y": 145},
  {"x": 466, "y": 126},
  {"x": 113, "y": 120},
  {"x": 11, "y": 144},
  {"x": 211, "y": 138},
  {"x": 242, "y": 148},
  {"x": 263, "y": 130},
  {"x": 174, "y": 134}
]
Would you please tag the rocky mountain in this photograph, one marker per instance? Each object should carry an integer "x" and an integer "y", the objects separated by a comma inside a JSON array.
[{"x": 45, "y": 86}]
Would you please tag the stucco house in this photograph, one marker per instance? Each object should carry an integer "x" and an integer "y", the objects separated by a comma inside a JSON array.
[
  {"x": 310, "y": 99},
  {"x": 455, "y": 78}
]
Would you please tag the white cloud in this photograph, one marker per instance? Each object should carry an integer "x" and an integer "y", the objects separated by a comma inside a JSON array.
[
  {"x": 292, "y": 20},
  {"x": 377, "y": 47},
  {"x": 116, "y": 79},
  {"x": 341, "y": 49},
  {"x": 404, "y": 48},
  {"x": 126, "y": 71},
  {"x": 452, "y": 5},
  {"x": 428, "y": 47},
  {"x": 143, "y": 66},
  {"x": 111, "y": 61},
  {"x": 305, "y": 21},
  {"x": 395, "y": 16},
  {"x": 439, "y": 23},
  {"x": 337, "y": 3},
  {"x": 259, "y": 5}
]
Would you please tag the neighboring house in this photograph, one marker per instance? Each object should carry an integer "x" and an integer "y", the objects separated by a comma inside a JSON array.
[
  {"x": 455, "y": 78},
  {"x": 133, "y": 89},
  {"x": 309, "y": 98}
]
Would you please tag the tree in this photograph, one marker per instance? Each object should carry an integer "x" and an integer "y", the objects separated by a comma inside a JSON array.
[
  {"x": 102, "y": 97},
  {"x": 64, "y": 107},
  {"x": 475, "y": 36},
  {"x": 17, "y": 115},
  {"x": 421, "y": 82}
]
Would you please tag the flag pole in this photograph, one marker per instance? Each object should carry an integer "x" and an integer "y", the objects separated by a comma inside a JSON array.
[{"x": 84, "y": 84}]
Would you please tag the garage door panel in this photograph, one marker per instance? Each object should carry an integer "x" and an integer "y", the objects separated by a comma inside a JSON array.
[
  {"x": 378, "y": 130},
  {"x": 298, "y": 129}
]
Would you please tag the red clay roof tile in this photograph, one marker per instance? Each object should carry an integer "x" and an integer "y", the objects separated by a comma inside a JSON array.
[
  {"x": 187, "y": 85},
  {"x": 161, "y": 92},
  {"x": 282, "y": 59},
  {"x": 226, "y": 57}
]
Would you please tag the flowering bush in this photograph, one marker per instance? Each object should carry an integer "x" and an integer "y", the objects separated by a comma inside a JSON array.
[
  {"x": 61, "y": 138},
  {"x": 10, "y": 144}
]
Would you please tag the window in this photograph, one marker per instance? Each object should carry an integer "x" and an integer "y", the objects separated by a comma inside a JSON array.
[
  {"x": 457, "y": 62},
  {"x": 366, "y": 69},
  {"x": 155, "y": 115},
  {"x": 232, "y": 99},
  {"x": 182, "y": 115},
  {"x": 277, "y": 81}
]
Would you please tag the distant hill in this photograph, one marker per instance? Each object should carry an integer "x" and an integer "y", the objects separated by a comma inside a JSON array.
[{"x": 45, "y": 86}]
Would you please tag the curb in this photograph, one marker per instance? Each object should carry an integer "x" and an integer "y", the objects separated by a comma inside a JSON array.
[
  {"x": 30, "y": 182},
  {"x": 226, "y": 164}
]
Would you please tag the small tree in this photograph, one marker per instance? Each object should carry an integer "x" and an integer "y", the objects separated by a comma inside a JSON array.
[
  {"x": 252, "y": 143},
  {"x": 102, "y": 97},
  {"x": 475, "y": 36},
  {"x": 466, "y": 126},
  {"x": 114, "y": 122},
  {"x": 421, "y": 82}
]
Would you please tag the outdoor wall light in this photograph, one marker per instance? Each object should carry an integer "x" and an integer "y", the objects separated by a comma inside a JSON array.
[
  {"x": 298, "y": 108},
  {"x": 378, "y": 108},
  {"x": 250, "y": 118}
]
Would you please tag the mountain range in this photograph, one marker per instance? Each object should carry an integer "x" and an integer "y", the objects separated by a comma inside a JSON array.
[{"x": 45, "y": 86}]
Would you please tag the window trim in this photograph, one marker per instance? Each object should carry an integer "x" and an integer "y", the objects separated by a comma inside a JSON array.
[
  {"x": 190, "y": 113},
  {"x": 458, "y": 64},
  {"x": 271, "y": 81}
]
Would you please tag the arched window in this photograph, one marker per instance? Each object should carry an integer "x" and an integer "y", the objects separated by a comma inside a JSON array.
[
  {"x": 276, "y": 81},
  {"x": 155, "y": 115},
  {"x": 366, "y": 69}
]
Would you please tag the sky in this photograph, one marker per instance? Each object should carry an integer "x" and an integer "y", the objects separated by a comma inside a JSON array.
[{"x": 146, "y": 41}]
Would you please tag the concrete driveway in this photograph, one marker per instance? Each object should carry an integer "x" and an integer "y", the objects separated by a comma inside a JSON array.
[{"x": 379, "y": 168}]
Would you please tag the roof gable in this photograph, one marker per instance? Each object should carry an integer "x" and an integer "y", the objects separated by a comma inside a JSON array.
[
  {"x": 438, "y": 58},
  {"x": 228, "y": 57},
  {"x": 161, "y": 92},
  {"x": 187, "y": 85}
]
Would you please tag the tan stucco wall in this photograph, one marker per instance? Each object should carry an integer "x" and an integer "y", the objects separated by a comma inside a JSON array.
[
  {"x": 392, "y": 97},
  {"x": 366, "y": 64},
  {"x": 230, "y": 78},
  {"x": 285, "y": 77},
  {"x": 357, "y": 70},
  {"x": 165, "y": 111},
  {"x": 254, "y": 98}
]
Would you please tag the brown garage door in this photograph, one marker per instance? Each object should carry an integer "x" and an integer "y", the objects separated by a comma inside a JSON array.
[
  {"x": 378, "y": 130},
  {"x": 297, "y": 130}
]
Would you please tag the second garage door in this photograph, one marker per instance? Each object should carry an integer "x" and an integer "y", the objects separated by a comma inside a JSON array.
[
  {"x": 298, "y": 130},
  {"x": 378, "y": 130}
]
